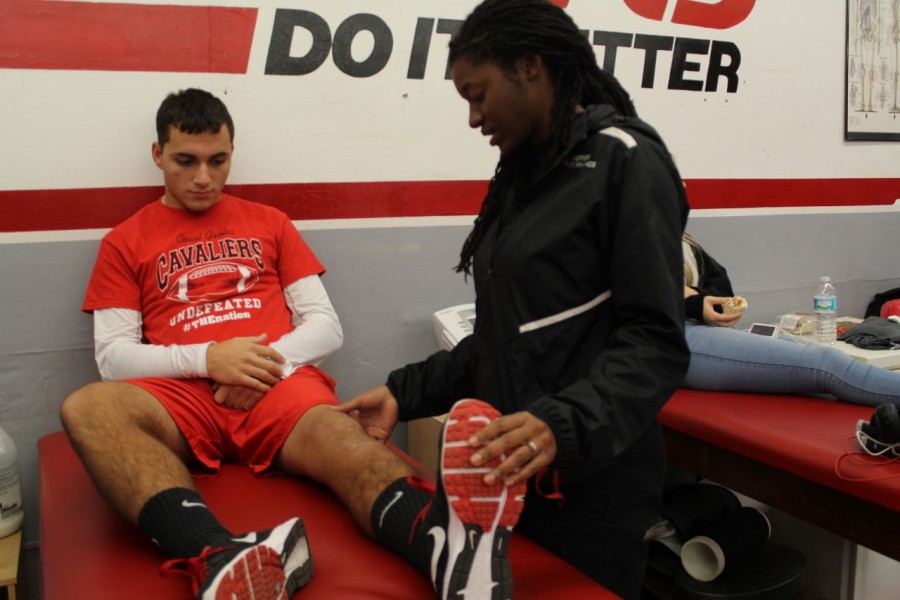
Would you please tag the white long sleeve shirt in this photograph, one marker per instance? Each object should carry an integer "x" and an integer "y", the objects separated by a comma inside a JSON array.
[{"x": 120, "y": 353}]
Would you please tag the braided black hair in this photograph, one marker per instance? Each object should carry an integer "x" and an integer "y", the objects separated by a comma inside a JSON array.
[{"x": 500, "y": 32}]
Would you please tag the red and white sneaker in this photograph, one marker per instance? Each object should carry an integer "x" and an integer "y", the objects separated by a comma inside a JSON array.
[
  {"x": 470, "y": 557},
  {"x": 262, "y": 565}
]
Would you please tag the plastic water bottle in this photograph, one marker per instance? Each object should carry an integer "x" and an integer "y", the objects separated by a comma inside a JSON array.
[
  {"x": 825, "y": 308},
  {"x": 11, "y": 510}
]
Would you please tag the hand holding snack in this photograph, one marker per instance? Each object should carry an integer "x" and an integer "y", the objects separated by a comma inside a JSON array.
[
  {"x": 737, "y": 304},
  {"x": 716, "y": 311}
]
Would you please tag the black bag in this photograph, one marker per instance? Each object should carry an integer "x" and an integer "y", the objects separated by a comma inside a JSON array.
[
  {"x": 878, "y": 300},
  {"x": 874, "y": 333}
]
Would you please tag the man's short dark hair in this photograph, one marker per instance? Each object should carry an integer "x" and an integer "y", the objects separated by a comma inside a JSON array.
[{"x": 192, "y": 111}]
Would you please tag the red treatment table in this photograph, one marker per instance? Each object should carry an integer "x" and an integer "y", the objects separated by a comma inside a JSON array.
[
  {"x": 89, "y": 552},
  {"x": 790, "y": 452}
]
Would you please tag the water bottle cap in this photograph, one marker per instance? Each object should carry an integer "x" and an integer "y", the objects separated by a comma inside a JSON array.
[{"x": 825, "y": 279}]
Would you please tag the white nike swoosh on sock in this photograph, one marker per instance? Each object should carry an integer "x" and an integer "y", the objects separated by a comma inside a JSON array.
[
  {"x": 394, "y": 500},
  {"x": 187, "y": 504}
]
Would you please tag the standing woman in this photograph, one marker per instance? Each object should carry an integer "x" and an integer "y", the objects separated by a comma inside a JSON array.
[{"x": 576, "y": 259}]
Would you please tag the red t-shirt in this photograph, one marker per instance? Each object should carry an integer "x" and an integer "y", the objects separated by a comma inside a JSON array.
[{"x": 200, "y": 277}]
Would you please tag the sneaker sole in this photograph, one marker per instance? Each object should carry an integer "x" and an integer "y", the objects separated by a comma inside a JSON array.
[
  {"x": 481, "y": 516},
  {"x": 296, "y": 558},
  {"x": 274, "y": 569}
]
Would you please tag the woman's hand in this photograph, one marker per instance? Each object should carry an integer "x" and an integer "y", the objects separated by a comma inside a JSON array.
[
  {"x": 526, "y": 442},
  {"x": 712, "y": 317},
  {"x": 376, "y": 410}
]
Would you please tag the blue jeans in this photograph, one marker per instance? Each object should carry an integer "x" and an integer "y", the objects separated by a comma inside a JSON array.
[{"x": 733, "y": 360}]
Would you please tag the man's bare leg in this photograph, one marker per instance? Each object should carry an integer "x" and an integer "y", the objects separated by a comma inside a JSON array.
[
  {"x": 406, "y": 516},
  {"x": 129, "y": 444},
  {"x": 332, "y": 448},
  {"x": 136, "y": 456}
]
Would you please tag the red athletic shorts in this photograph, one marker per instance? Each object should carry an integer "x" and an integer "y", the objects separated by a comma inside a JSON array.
[{"x": 252, "y": 437}]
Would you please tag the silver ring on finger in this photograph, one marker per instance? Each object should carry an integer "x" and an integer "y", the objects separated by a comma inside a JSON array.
[{"x": 532, "y": 446}]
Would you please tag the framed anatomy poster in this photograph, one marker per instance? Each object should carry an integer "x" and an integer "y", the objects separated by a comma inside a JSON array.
[{"x": 873, "y": 69}]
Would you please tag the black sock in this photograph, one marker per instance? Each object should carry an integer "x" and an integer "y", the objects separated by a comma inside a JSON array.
[
  {"x": 178, "y": 520},
  {"x": 401, "y": 519}
]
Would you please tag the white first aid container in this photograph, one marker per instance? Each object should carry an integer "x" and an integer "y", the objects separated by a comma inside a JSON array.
[{"x": 11, "y": 510}]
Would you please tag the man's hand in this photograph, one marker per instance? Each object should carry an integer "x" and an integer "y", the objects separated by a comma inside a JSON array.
[
  {"x": 376, "y": 410},
  {"x": 244, "y": 361},
  {"x": 527, "y": 442},
  {"x": 237, "y": 396}
]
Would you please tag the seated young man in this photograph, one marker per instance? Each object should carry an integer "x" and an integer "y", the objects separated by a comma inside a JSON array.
[{"x": 210, "y": 318}]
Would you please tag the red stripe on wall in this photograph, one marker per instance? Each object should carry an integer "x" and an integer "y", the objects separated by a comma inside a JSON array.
[
  {"x": 779, "y": 193},
  {"x": 125, "y": 37},
  {"x": 50, "y": 210}
]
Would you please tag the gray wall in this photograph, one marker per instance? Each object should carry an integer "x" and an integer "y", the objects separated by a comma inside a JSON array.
[
  {"x": 776, "y": 260},
  {"x": 385, "y": 284}
]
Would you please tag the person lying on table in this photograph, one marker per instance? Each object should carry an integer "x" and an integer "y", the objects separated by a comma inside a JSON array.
[{"x": 728, "y": 359}]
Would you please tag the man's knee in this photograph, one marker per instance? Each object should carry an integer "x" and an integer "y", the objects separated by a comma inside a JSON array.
[
  {"x": 325, "y": 432},
  {"x": 328, "y": 425},
  {"x": 104, "y": 403},
  {"x": 77, "y": 405},
  {"x": 332, "y": 447}
]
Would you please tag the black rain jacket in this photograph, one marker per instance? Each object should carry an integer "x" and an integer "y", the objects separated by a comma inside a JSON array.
[
  {"x": 580, "y": 318},
  {"x": 713, "y": 282}
]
